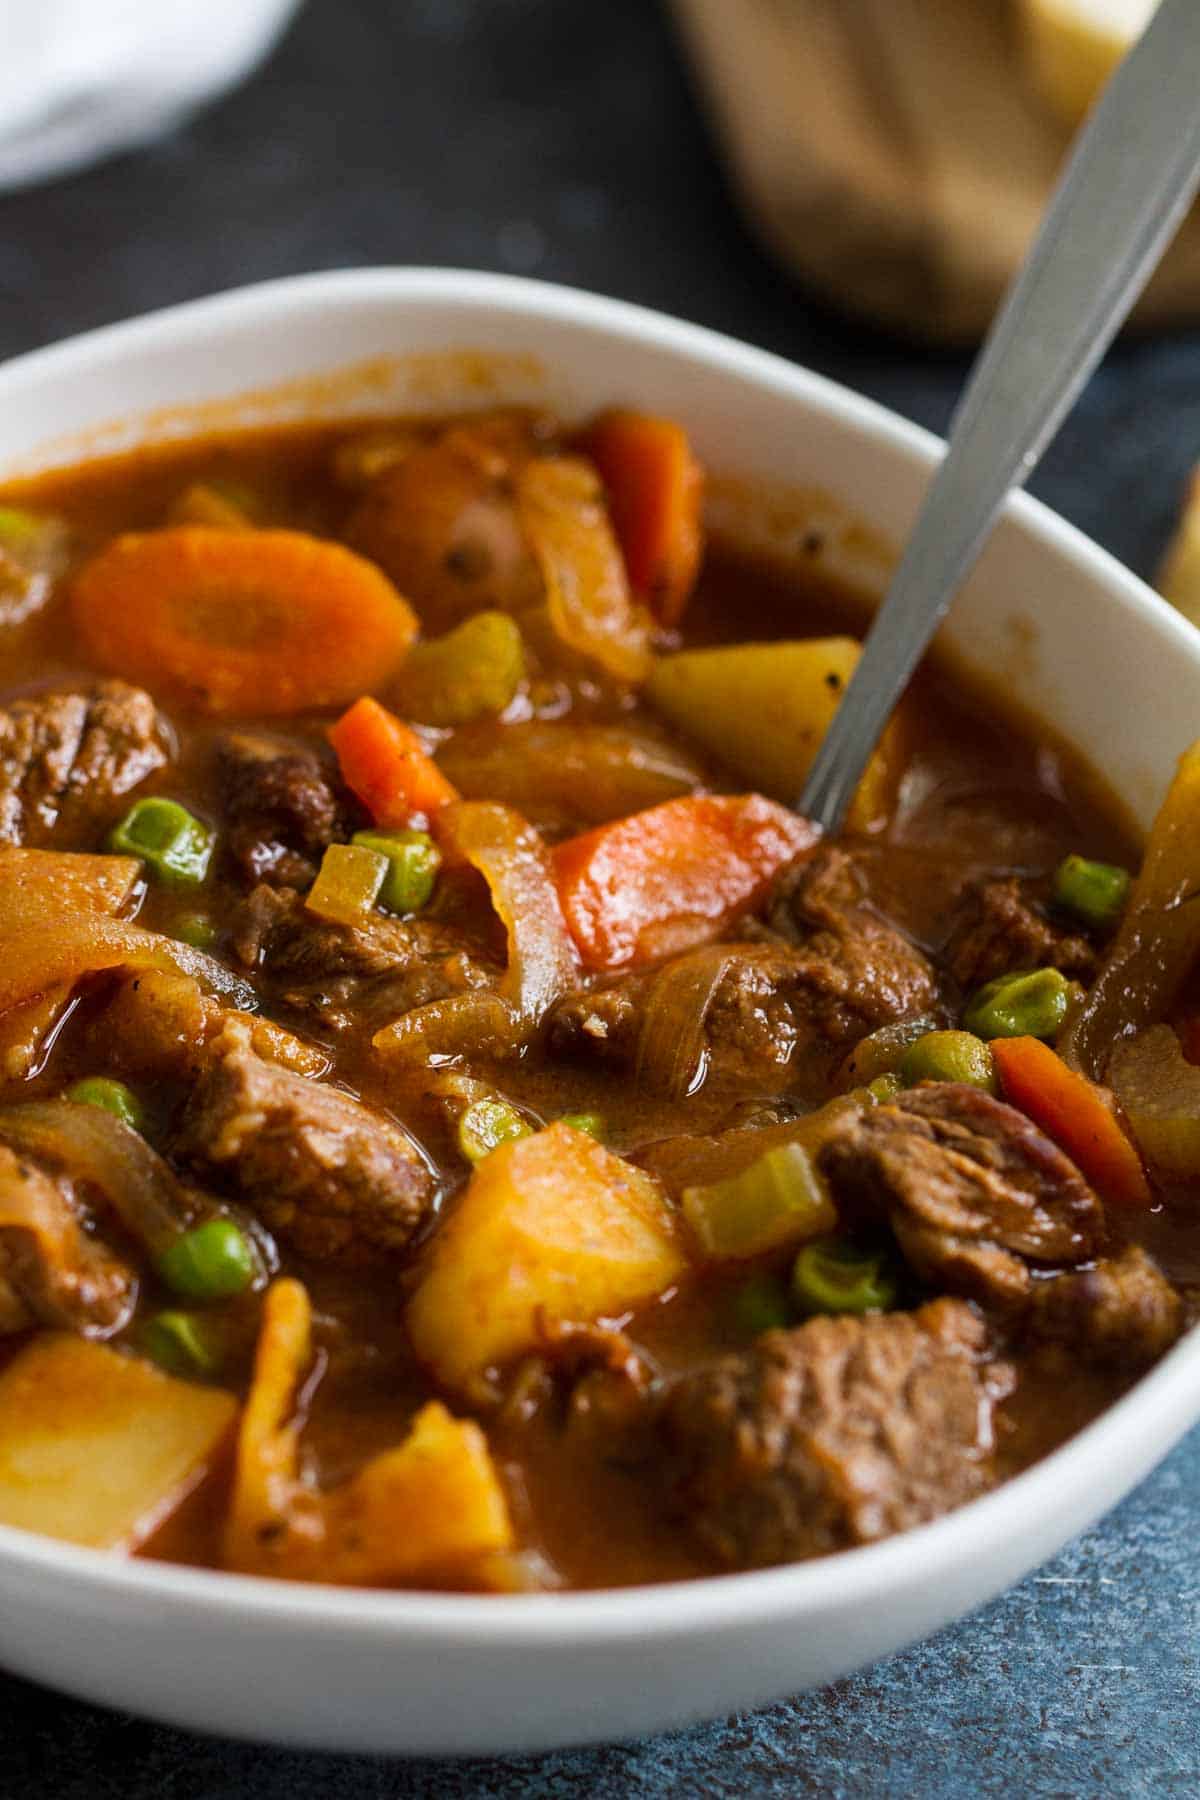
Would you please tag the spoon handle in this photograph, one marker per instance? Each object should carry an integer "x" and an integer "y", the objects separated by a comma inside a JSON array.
[{"x": 1126, "y": 186}]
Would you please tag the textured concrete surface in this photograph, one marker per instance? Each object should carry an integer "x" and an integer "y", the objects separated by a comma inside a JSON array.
[{"x": 561, "y": 139}]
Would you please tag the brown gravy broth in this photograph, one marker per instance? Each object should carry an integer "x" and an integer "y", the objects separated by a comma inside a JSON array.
[{"x": 985, "y": 792}]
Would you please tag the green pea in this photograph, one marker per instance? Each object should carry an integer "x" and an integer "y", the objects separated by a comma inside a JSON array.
[
  {"x": 485, "y": 1125},
  {"x": 949, "y": 1056},
  {"x": 1032, "y": 1004},
  {"x": 413, "y": 862},
  {"x": 174, "y": 845},
  {"x": 761, "y": 1304},
  {"x": 196, "y": 929},
  {"x": 180, "y": 1344},
  {"x": 589, "y": 1122},
  {"x": 1095, "y": 892},
  {"x": 880, "y": 1051},
  {"x": 884, "y": 1089},
  {"x": 214, "y": 1261},
  {"x": 113, "y": 1096},
  {"x": 832, "y": 1275}
]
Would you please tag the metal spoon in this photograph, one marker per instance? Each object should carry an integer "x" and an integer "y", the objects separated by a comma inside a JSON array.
[{"x": 1130, "y": 178}]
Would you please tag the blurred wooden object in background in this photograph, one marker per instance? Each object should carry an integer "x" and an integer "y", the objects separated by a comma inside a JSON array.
[{"x": 897, "y": 154}]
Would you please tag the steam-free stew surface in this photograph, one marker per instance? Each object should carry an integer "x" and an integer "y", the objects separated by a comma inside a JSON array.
[{"x": 595, "y": 1485}]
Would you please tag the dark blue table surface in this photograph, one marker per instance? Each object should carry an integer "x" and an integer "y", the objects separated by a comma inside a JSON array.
[{"x": 562, "y": 139}]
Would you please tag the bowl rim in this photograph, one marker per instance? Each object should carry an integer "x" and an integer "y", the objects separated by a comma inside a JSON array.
[{"x": 1149, "y": 1412}]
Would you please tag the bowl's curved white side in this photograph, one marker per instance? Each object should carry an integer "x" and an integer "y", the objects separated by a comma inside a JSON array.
[{"x": 1081, "y": 642}]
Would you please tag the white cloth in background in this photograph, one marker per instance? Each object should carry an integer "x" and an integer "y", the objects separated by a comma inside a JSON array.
[{"x": 80, "y": 79}]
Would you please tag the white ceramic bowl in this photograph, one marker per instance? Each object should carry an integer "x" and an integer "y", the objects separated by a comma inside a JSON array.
[{"x": 1091, "y": 650}]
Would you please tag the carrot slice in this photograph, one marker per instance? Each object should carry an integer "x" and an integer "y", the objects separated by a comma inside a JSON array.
[
  {"x": 235, "y": 620},
  {"x": 655, "y": 495},
  {"x": 384, "y": 762},
  {"x": 1076, "y": 1113},
  {"x": 662, "y": 880}
]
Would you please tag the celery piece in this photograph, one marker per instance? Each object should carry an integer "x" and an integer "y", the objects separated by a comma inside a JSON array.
[
  {"x": 590, "y": 1122},
  {"x": 348, "y": 883},
  {"x": 472, "y": 672},
  {"x": 413, "y": 863},
  {"x": 485, "y": 1125},
  {"x": 779, "y": 1199},
  {"x": 174, "y": 846},
  {"x": 832, "y": 1275}
]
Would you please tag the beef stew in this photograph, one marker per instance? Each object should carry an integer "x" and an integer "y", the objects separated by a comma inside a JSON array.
[{"x": 460, "y": 1127}]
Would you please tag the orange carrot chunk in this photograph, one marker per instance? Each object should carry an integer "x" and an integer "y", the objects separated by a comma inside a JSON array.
[
  {"x": 1076, "y": 1113},
  {"x": 655, "y": 496},
  {"x": 660, "y": 881},
  {"x": 241, "y": 621},
  {"x": 384, "y": 762}
]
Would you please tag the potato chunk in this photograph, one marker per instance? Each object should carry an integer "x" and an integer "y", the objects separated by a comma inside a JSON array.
[
  {"x": 433, "y": 1502},
  {"x": 432, "y": 1506},
  {"x": 764, "y": 708},
  {"x": 98, "y": 1448},
  {"x": 551, "y": 1226}
]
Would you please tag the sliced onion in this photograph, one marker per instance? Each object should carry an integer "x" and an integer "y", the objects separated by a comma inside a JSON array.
[
  {"x": 478, "y": 1024},
  {"x": 43, "y": 951},
  {"x": 560, "y": 504},
  {"x": 511, "y": 857},
  {"x": 145, "y": 1194},
  {"x": 59, "y": 1274},
  {"x": 563, "y": 775},
  {"x": 92, "y": 1145},
  {"x": 671, "y": 1055},
  {"x": 1159, "y": 939},
  {"x": 1159, "y": 1093}
]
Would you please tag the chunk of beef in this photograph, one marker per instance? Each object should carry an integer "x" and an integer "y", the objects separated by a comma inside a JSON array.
[
  {"x": 52, "y": 1272},
  {"x": 973, "y": 1190},
  {"x": 159, "y": 1024},
  {"x": 753, "y": 1018},
  {"x": 865, "y": 972},
  {"x": 1000, "y": 930},
  {"x": 355, "y": 976},
  {"x": 67, "y": 757},
  {"x": 826, "y": 971},
  {"x": 840, "y": 1432},
  {"x": 1123, "y": 1312},
  {"x": 283, "y": 808},
  {"x": 335, "y": 1178},
  {"x": 603, "y": 1021}
]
